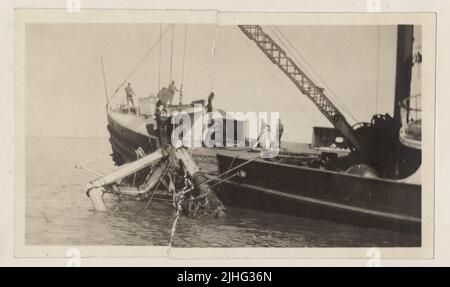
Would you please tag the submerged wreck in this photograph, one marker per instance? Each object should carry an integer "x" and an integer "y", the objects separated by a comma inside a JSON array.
[
  {"x": 374, "y": 182},
  {"x": 148, "y": 160}
]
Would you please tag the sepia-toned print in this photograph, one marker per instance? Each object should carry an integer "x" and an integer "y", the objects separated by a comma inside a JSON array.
[{"x": 226, "y": 135}]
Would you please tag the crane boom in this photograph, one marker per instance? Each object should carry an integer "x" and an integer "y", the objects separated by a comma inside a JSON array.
[{"x": 279, "y": 57}]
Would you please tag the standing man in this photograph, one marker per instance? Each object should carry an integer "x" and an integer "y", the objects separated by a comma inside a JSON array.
[
  {"x": 280, "y": 130},
  {"x": 209, "y": 107},
  {"x": 130, "y": 93},
  {"x": 172, "y": 89}
]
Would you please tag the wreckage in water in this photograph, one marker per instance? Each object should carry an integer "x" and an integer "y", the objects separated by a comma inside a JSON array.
[
  {"x": 148, "y": 162},
  {"x": 376, "y": 183}
]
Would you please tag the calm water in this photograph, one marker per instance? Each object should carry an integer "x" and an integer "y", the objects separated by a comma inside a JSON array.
[{"x": 58, "y": 212}]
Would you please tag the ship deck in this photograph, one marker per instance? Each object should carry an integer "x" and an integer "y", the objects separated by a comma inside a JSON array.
[{"x": 206, "y": 158}]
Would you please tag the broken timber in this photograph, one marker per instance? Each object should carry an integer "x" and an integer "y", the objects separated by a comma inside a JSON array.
[{"x": 192, "y": 189}]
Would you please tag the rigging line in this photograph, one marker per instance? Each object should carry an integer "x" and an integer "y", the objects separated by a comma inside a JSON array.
[
  {"x": 282, "y": 87},
  {"x": 280, "y": 36},
  {"x": 378, "y": 73},
  {"x": 159, "y": 63},
  {"x": 138, "y": 64},
  {"x": 164, "y": 173},
  {"x": 171, "y": 52},
  {"x": 298, "y": 62},
  {"x": 287, "y": 48},
  {"x": 104, "y": 81},
  {"x": 285, "y": 90},
  {"x": 314, "y": 72},
  {"x": 225, "y": 179},
  {"x": 222, "y": 174},
  {"x": 184, "y": 54}
]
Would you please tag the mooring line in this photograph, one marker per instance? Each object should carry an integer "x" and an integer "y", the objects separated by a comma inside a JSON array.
[
  {"x": 174, "y": 224},
  {"x": 156, "y": 187},
  {"x": 225, "y": 179},
  {"x": 228, "y": 171},
  {"x": 179, "y": 207}
]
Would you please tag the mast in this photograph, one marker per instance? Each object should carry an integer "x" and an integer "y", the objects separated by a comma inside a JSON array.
[
  {"x": 104, "y": 82},
  {"x": 405, "y": 39}
]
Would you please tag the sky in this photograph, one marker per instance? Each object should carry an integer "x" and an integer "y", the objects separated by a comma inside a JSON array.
[{"x": 65, "y": 92}]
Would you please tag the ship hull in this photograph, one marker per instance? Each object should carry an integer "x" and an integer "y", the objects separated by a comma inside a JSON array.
[
  {"x": 126, "y": 138},
  {"x": 128, "y": 134},
  {"x": 321, "y": 194}
]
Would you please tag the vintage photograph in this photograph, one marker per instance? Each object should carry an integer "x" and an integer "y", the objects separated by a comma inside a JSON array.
[{"x": 206, "y": 135}]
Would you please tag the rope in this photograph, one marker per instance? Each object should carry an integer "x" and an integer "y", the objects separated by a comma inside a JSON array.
[
  {"x": 174, "y": 224},
  {"x": 91, "y": 159},
  {"x": 225, "y": 179},
  {"x": 138, "y": 64},
  {"x": 277, "y": 81},
  {"x": 205, "y": 182},
  {"x": 378, "y": 73},
  {"x": 104, "y": 81},
  {"x": 90, "y": 170},
  {"x": 159, "y": 63},
  {"x": 171, "y": 52},
  {"x": 156, "y": 187},
  {"x": 310, "y": 67},
  {"x": 84, "y": 164},
  {"x": 220, "y": 175},
  {"x": 232, "y": 162},
  {"x": 226, "y": 172},
  {"x": 184, "y": 54}
]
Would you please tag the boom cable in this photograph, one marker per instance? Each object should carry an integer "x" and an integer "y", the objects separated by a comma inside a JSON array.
[
  {"x": 280, "y": 35},
  {"x": 378, "y": 73},
  {"x": 138, "y": 64},
  {"x": 159, "y": 61},
  {"x": 171, "y": 53},
  {"x": 184, "y": 54},
  {"x": 104, "y": 80},
  {"x": 271, "y": 74}
]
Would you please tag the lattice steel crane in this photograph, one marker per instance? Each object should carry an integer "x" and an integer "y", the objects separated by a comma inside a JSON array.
[{"x": 279, "y": 57}]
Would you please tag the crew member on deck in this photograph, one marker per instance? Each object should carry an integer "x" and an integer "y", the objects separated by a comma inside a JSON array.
[
  {"x": 280, "y": 130},
  {"x": 130, "y": 93},
  {"x": 172, "y": 89},
  {"x": 209, "y": 107}
]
